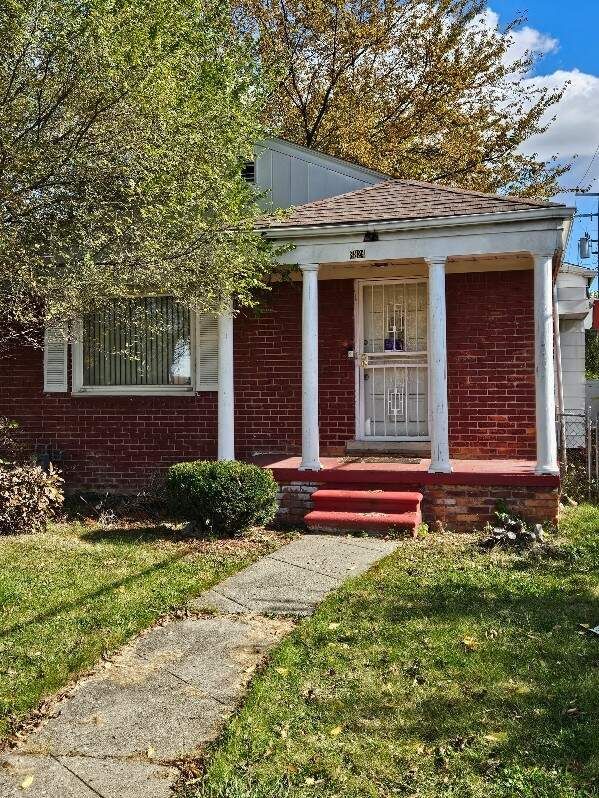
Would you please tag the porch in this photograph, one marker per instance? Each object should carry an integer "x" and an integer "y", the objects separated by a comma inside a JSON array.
[
  {"x": 421, "y": 260},
  {"x": 403, "y": 246},
  {"x": 348, "y": 492}
]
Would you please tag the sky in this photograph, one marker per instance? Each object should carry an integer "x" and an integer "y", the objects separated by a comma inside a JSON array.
[{"x": 566, "y": 39}]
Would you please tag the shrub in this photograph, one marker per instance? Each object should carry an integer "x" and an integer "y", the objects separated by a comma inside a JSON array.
[
  {"x": 29, "y": 497},
  {"x": 10, "y": 448},
  {"x": 223, "y": 498}
]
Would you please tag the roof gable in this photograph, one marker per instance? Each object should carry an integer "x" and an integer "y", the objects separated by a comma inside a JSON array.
[{"x": 293, "y": 175}]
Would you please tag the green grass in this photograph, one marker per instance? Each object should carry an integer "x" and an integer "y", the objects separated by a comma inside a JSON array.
[
  {"x": 76, "y": 592},
  {"x": 445, "y": 671}
]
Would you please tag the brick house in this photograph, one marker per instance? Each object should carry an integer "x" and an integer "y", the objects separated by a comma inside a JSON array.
[{"x": 406, "y": 367}]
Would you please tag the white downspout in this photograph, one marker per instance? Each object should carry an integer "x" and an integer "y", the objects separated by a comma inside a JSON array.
[{"x": 559, "y": 380}]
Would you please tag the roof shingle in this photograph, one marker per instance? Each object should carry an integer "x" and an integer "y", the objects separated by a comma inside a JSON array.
[{"x": 396, "y": 200}]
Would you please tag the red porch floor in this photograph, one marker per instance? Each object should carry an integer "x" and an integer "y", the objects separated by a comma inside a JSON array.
[{"x": 465, "y": 472}]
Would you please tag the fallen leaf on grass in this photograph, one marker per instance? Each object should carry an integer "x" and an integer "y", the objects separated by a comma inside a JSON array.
[
  {"x": 572, "y": 711},
  {"x": 495, "y": 737},
  {"x": 282, "y": 671},
  {"x": 336, "y": 731},
  {"x": 333, "y": 625},
  {"x": 470, "y": 643}
]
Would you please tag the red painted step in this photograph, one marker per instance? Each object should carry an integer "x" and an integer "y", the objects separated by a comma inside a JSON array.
[
  {"x": 339, "y": 521},
  {"x": 385, "y": 501},
  {"x": 374, "y": 510}
]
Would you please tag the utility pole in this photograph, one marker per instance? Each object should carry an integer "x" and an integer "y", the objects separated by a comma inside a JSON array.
[{"x": 585, "y": 244}]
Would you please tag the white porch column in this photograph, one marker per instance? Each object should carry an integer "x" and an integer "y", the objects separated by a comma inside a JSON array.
[
  {"x": 544, "y": 366},
  {"x": 310, "y": 435},
  {"x": 437, "y": 362},
  {"x": 226, "y": 405}
]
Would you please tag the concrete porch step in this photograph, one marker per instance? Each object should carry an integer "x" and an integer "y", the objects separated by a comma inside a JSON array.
[
  {"x": 398, "y": 448},
  {"x": 342, "y": 521},
  {"x": 377, "y": 500}
]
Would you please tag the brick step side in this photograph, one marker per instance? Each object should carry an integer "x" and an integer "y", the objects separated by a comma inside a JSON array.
[
  {"x": 340, "y": 521},
  {"x": 384, "y": 501}
]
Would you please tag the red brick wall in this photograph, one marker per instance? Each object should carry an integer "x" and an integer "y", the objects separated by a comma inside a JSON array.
[
  {"x": 268, "y": 377},
  {"x": 108, "y": 442},
  {"x": 458, "y": 508},
  {"x": 490, "y": 353},
  {"x": 119, "y": 442}
]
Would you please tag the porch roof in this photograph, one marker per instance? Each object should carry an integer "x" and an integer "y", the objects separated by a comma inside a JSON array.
[{"x": 400, "y": 200}]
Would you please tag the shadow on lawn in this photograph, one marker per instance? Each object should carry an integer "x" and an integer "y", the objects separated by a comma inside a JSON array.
[
  {"x": 529, "y": 690},
  {"x": 134, "y": 535},
  {"x": 67, "y": 606}
]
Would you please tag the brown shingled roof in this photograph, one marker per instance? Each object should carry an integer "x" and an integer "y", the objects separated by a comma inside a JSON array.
[{"x": 395, "y": 200}]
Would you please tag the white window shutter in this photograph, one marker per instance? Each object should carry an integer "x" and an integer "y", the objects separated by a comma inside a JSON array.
[
  {"x": 55, "y": 359},
  {"x": 207, "y": 353}
]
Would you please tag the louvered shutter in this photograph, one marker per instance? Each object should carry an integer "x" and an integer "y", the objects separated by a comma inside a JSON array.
[
  {"x": 207, "y": 353},
  {"x": 55, "y": 359}
]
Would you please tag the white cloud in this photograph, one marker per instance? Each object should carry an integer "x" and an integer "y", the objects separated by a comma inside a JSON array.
[
  {"x": 522, "y": 41},
  {"x": 575, "y": 130}
]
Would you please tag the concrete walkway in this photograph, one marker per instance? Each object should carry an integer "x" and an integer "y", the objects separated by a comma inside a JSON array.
[{"x": 127, "y": 730}]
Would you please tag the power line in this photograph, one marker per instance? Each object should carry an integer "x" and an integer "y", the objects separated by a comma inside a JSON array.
[{"x": 590, "y": 165}]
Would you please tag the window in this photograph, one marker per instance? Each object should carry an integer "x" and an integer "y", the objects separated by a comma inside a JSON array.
[
  {"x": 248, "y": 171},
  {"x": 145, "y": 346}
]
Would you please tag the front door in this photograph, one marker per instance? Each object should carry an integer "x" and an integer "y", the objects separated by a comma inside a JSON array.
[{"x": 392, "y": 360}]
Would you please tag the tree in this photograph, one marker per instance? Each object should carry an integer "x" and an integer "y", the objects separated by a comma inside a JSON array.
[
  {"x": 123, "y": 127},
  {"x": 419, "y": 89},
  {"x": 592, "y": 354}
]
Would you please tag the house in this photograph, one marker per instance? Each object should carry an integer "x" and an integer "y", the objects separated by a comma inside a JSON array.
[
  {"x": 405, "y": 371},
  {"x": 575, "y": 310},
  {"x": 592, "y": 386}
]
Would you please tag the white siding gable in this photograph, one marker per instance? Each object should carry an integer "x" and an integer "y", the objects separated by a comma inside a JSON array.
[{"x": 294, "y": 175}]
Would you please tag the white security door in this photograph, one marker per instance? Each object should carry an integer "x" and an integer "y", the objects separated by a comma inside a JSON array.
[{"x": 392, "y": 360}]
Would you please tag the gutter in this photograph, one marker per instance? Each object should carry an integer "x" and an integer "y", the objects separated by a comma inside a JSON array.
[{"x": 393, "y": 225}]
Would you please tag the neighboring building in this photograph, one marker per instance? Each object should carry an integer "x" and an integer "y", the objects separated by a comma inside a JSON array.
[
  {"x": 412, "y": 326},
  {"x": 592, "y": 387},
  {"x": 575, "y": 316}
]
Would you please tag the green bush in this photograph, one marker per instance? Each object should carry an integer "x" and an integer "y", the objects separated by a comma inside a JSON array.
[
  {"x": 222, "y": 498},
  {"x": 29, "y": 497}
]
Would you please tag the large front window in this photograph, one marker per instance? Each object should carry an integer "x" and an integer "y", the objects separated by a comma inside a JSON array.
[{"x": 137, "y": 345}]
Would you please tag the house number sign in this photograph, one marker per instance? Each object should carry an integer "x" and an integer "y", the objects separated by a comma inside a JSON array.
[{"x": 355, "y": 254}]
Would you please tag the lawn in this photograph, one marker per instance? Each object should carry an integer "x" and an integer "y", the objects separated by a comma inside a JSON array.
[
  {"x": 78, "y": 591},
  {"x": 445, "y": 671}
]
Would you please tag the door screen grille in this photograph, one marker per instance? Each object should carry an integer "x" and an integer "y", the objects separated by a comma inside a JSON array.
[{"x": 394, "y": 360}]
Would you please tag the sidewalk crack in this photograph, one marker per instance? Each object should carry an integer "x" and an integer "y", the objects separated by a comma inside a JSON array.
[
  {"x": 77, "y": 776},
  {"x": 335, "y": 579}
]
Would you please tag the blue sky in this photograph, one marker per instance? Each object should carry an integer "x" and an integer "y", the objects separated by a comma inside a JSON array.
[
  {"x": 565, "y": 36},
  {"x": 576, "y": 27}
]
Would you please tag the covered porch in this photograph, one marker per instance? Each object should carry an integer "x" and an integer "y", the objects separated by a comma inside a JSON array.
[
  {"x": 411, "y": 260},
  {"x": 406, "y": 248}
]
